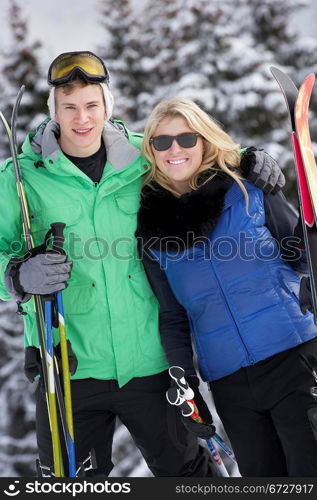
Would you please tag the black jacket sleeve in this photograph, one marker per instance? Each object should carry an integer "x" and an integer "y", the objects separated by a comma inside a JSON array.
[
  {"x": 286, "y": 227},
  {"x": 173, "y": 320}
]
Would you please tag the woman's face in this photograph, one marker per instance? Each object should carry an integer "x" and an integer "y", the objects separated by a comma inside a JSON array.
[{"x": 178, "y": 163}]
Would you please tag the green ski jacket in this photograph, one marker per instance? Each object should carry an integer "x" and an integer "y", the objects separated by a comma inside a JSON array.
[{"x": 111, "y": 314}]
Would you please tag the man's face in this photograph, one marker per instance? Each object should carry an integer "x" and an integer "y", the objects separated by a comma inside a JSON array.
[{"x": 81, "y": 116}]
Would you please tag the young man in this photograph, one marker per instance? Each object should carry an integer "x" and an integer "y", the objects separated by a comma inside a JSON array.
[{"x": 85, "y": 170}]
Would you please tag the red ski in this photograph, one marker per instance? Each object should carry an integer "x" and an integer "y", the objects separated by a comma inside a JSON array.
[
  {"x": 306, "y": 171},
  {"x": 303, "y": 134}
]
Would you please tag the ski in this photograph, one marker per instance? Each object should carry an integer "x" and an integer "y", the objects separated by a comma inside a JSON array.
[
  {"x": 51, "y": 402},
  {"x": 306, "y": 172}
]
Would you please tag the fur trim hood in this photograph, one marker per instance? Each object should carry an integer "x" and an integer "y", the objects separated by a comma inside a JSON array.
[{"x": 166, "y": 219}]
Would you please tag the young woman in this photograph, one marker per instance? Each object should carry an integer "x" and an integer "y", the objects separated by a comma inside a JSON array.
[{"x": 223, "y": 258}]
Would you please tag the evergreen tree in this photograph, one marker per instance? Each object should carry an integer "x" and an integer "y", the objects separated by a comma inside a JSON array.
[
  {"x": 4, "y": 145},
  {"x": 290, "y": 50},
  {"x": 21, "y": 67},
  {"x": 218, "y": 53},
  {"x": 120, "y": 50},
  {"x": 17, "y": 435}
]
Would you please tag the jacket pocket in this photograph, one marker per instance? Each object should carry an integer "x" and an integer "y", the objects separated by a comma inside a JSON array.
[
  {"x": 77, "y": 299},
  {"x": 128, "y": 203},
  {"x": 141, "y": 285},
  {"x": 68, "y": 214}
]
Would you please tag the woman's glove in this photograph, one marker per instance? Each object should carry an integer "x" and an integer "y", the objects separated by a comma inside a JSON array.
[
  {"x": 206, "y": 429},
  {"x": 305, "y": 297},
  {"x": 184, "y": 393},
  {"x": 262, "y": 170}
]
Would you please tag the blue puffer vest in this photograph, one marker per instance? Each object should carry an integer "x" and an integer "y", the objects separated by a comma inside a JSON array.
[{"x": 240, "y": 296}]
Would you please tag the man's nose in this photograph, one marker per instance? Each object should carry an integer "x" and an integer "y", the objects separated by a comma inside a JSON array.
[{"x": 81, "y": 114}]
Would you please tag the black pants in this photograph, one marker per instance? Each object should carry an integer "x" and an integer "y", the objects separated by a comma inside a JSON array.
[
  {"x": 141, "y": 405},
  {"x": 269, "y": 414}
]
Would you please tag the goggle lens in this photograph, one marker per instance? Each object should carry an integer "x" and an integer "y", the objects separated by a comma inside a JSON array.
[{"x": 65, "y": 66}]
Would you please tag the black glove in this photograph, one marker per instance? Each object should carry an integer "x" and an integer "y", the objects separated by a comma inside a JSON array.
[
  {"x": 207, "y": 429},
  {"x": 305, "y": 297},
  {"x": 262, "y": 170},
  {"x": 33, "y": 365},
  {"x": 40, "y": 274}
]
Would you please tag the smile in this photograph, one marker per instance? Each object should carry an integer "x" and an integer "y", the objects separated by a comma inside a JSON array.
[
  {"x": 180, "y": 161},
  {"x": 82, "y": 131}
]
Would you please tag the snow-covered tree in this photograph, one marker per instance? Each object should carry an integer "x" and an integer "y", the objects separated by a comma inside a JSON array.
[
  {"x": 217, "y": 53},
  {"x": 17, "y": 437},
  {"x": 275, "y": 29},
  {"x": 119, "y": 51},
  {"x": 21, "y": 67}
]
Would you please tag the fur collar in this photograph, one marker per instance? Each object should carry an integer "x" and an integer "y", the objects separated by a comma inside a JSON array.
[{"x": 167, "y": 220}]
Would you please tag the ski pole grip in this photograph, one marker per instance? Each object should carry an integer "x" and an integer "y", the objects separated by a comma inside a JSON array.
[{"x": 58, "y": 236}]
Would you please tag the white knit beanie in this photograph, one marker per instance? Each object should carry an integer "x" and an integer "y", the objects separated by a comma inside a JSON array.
[{"x": 108, "y": 97}]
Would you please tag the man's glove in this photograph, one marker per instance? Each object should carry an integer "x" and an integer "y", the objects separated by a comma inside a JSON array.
[
  {"x": 33, "y": 365},
  {"x": 262, "y": 170},
  {"x": 42, "y": 274},
  {"x": 305, "y": 297},
  {"x": 202, "y": 430}
]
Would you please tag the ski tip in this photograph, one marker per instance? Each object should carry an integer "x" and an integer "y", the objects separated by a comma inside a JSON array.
[
  {"x": 286, "y": 84},
  {"x": 310, "y": 80},
  {"x": 276, "y": 71},
  {"x": 305, "y": 92}
]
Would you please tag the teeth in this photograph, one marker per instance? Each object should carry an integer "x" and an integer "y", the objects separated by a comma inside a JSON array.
[
  {"x": 82, "y": 131},
  {"x": 177, "y": 162}
]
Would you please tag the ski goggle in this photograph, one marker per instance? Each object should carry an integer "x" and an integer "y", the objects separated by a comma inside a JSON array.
[
  {"x": 164, "y": 142},
  {"x": 82, "y": 64}
]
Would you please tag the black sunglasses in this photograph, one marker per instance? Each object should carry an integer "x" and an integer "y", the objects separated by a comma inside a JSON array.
[{"x": 163, "y": 142}]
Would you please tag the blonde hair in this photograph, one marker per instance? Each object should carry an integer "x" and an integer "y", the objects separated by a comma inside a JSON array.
[{"x": 219, "y": 150}]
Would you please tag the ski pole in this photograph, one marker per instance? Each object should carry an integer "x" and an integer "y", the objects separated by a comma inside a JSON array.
[
  {"x": 58, "y": 240},
  {"x": 228, "y": 451},
  {"x": 217, "y": 458},
  {"x": 189, "y": 409},
  {"x": 182, "y": 396},
  {"x": 57, "y": 457},
  {"x": 177, "y": 373}
]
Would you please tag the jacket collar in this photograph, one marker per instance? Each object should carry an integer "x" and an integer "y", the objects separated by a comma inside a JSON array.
[
  {"x": 164, "y": 219},
  {"x": 44, "y": 143}
]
